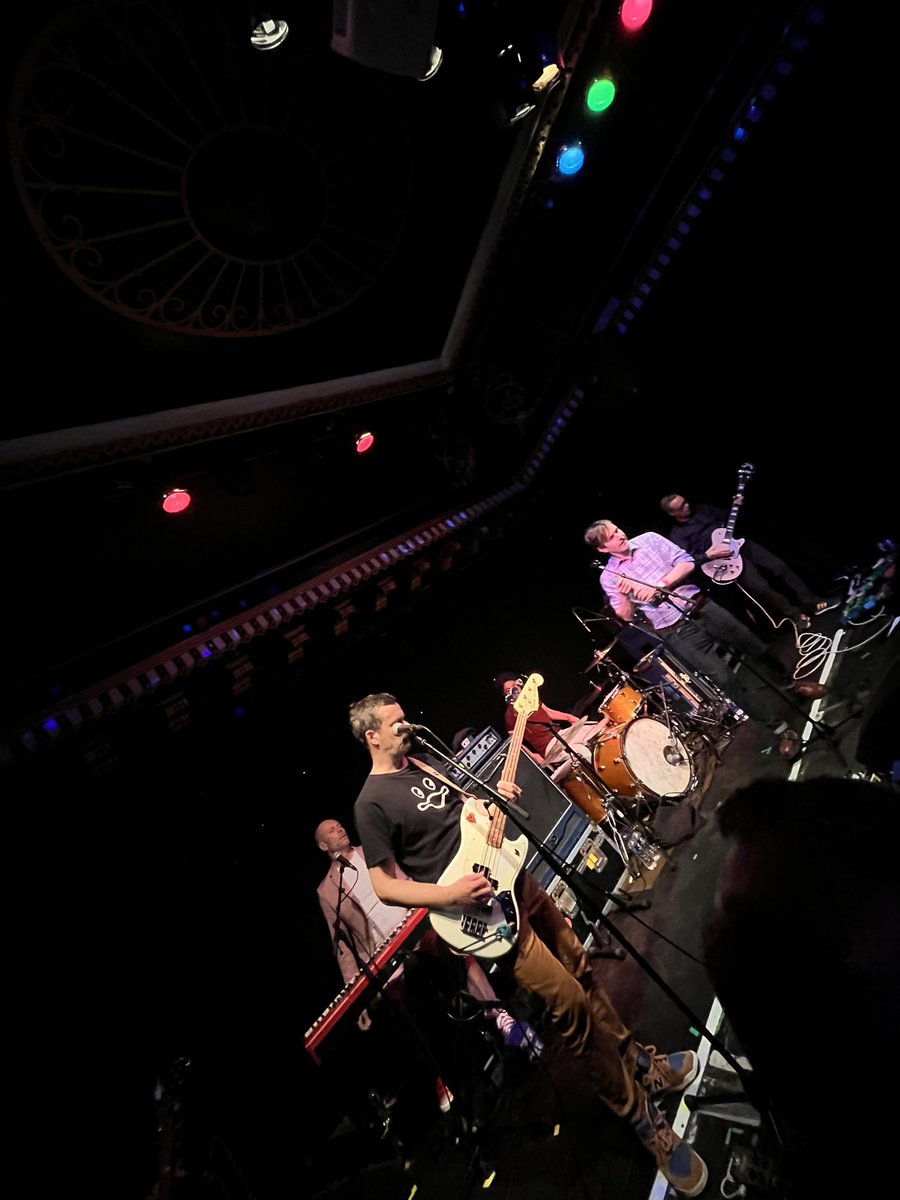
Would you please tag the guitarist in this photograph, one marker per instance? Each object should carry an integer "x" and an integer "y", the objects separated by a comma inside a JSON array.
[
  {"x": 409, "y": 821},
  {"x": 692, "y": 530},
  {"x": 647, "y": 576}
]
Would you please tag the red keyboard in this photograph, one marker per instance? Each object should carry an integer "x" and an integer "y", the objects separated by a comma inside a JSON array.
[{"x": 383, "y": 964}]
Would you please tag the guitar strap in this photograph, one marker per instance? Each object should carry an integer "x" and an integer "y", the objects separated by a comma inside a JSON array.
[{"x": 423, "y": 766}]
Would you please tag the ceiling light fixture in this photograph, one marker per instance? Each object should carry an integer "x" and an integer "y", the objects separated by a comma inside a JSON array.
[
  {"x": 634, "y": 14},
  {"x": 268, "y": 32},
  {"x": 434, "y": 65},
  {"x": 570, "y": 159},
  {"x": 175, "y": 500}
]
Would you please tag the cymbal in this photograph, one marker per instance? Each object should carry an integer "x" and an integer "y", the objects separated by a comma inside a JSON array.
[
  {"x": 599, "y": 657},
  {"x": 644, "y": 662}
]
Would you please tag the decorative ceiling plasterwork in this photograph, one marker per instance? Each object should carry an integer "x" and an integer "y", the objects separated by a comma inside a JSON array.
[
  {"x": 190, "y": 183},
  {"x": 46, "y": 456}
]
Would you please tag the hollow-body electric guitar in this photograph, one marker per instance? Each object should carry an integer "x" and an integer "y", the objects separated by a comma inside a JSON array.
[
  {"x": 491, "y": 929},
  {"x": 726, "y": 570}
]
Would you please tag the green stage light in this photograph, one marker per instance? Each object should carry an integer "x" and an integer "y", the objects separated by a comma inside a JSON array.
[{"x": 600, "y": 95}]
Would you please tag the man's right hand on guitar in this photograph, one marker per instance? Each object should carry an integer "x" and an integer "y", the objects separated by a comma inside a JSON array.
[
  {"x": 474, "y": 888},
  {"x": 720, "y": 551}
]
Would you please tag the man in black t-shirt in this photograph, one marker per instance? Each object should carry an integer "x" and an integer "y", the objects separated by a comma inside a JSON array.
[{"x": 410, "y": 819}]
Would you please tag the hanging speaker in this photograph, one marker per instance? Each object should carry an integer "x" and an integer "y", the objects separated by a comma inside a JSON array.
[{"x": 390, "y": 35}]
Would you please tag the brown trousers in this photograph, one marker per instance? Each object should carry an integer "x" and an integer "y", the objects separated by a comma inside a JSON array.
[{"x": 551, "y": 962}]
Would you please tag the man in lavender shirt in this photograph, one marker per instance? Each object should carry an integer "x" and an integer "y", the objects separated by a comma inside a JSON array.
[{"x": 644, "y": 581}]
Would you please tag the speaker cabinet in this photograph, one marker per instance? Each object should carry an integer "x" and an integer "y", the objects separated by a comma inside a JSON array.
[{"x": 544, "y": 802}]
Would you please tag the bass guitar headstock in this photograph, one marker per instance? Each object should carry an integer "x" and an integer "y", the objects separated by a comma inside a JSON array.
[{"x": 528, "y": 700}]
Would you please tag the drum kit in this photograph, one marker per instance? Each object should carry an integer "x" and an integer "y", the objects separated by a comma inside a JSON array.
[{"x": 654, "y": 727}]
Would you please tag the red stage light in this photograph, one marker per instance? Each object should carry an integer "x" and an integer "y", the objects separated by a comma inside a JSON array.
[
  {"x": 635, "y": 13},
  {"x": 175, "y": 500},
  {"x": 364, "y": 441}
]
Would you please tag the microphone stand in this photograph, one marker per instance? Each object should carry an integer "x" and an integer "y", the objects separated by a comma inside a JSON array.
[
  {"x": 337, "y": 913},
  {"x": 591, "y": 897},
  {"x": 364, "y": 966},
  {"x": 377, "y": 982}
]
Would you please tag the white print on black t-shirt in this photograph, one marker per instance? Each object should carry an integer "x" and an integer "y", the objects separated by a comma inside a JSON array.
[{"x": 430, "y": 801}]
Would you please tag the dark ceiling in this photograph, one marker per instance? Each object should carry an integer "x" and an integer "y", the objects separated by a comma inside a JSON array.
[{"x": 221, "y": 263}]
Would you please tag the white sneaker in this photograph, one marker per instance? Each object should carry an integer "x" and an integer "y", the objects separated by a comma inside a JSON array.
[
  {"x": 444, "y": 1095},
  {"x": 519, "y": 1033}
]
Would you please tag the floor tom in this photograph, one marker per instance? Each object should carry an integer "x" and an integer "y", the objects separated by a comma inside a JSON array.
[{"x": 585, "y": 795}]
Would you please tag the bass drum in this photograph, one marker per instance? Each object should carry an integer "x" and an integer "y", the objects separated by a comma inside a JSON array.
[{"x": 644, "y": 759}]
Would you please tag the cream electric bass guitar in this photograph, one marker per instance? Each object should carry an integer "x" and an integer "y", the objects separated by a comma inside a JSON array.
[
  {"x": 491, "y": 930},
  {"x": 726, "y": 570}
]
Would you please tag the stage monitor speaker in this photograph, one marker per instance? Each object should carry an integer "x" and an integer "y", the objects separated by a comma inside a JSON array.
[
  {"x": 541, "y": 798},
  {"x": 391, "y": 35}
]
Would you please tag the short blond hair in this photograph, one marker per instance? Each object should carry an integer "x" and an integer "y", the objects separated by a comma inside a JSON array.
[{"x": 598, "y": 534}]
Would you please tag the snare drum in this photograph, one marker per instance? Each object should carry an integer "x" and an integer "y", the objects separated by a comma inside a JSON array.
[
  {"x": 644, "y": 759},
  {"x": 622, "y": 704}
]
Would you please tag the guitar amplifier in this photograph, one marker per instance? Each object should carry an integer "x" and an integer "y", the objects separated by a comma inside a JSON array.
[
  {"x": 476, "y": 753},
  {"x": 544, "y": 802}
]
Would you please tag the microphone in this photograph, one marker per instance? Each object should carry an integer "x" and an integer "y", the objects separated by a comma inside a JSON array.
[
  {"x": 345, "y": 862},
  {"x": 407, "y": 727}
]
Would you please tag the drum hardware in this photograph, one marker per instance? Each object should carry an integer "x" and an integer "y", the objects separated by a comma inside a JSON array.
[
  {"x": 711, "y": 727},
  {"x": 647, "y": 659},
  {"x": 706, "y": 718},
  {"x": 603, "y": 731},
  {"x": 587, "y": 791},
  {"x": 693, "y": 690},
  {"x": 673, "y": 755}
]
